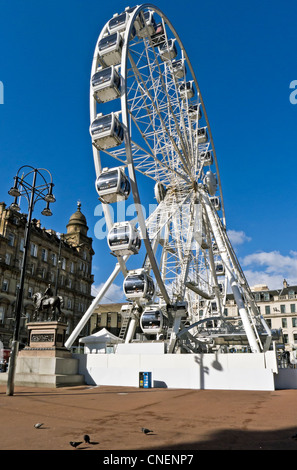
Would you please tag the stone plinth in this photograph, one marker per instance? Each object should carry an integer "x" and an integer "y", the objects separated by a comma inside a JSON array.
[
  {"x": 47, "y": 334},
  {"x": 46, "y": 362}
]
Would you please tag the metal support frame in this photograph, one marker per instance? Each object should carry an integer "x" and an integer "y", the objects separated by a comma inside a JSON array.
[{"x": 165, "y": 148}]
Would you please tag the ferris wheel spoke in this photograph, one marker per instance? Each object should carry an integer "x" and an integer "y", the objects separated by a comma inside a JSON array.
[
  {"x": 149, "y": 100},
  {"x": 150, "y": 161},
  {"x": 168, "y": 102}
]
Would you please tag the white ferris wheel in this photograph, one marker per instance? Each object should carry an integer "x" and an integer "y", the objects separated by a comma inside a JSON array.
[{"x": 153, "y": 147}]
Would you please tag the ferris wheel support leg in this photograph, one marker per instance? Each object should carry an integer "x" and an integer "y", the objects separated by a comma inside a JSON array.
[
  {"x": 131, "y": 330},
  {"x": 244, "y": 317},
  {"x": 92, "y": 307},
  {"x": 233, "y": 284}
]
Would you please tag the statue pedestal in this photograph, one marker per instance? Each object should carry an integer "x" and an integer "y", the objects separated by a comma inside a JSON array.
[
  {"x": 46, "y": 336},
  {"x": 46, "y": 362}
]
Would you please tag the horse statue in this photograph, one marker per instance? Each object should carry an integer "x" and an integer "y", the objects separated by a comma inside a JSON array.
[{"x": 46, "y": 306}]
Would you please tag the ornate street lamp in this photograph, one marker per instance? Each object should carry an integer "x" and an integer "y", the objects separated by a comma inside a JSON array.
[{"x": 39, "y": 189}]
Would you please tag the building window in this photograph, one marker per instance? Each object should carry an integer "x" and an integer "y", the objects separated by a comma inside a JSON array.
[
  {"x": 283, "y": 308},
  {"x": 267, "y": 309},
  {"x": 294, "y": 322},
  {"x": 34, "y": 250},
  {"x": 5, "y": 285},
  {"x": 284, "y": 323},
  {"x": 7, "y": 258},
  {"x": 266, "y": 296},
  {"x": 22, "y": 242},
  {"x": 54, "y": 259},
  {"x": 63, "y": 263},
  {"x": 2, "y": 315},
  {"x": 30, "y": 269},
  {"x": 257, "y": 297},
  {"x": 30, "y": 292},
  {"x": 295, "y": 337},
  {"x": 291, "y": 294},
  {"x": 286, "y": 338},
  {"x": 69, "y": 303},
  {"x": 44, "y": 254},
  {"x": 72, "y": 267},
  {"x": 268, "y": 321},
  {"x": 293, "y": 308},
  {"x": 10, "y": 239}
]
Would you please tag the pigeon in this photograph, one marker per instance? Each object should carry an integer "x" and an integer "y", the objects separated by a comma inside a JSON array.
[
  {"x": 88, "y": 441},
  {"x": 38, "y": 425},
  {"x": 146, "y": 431},
  {"x": 75, "y": 444}
]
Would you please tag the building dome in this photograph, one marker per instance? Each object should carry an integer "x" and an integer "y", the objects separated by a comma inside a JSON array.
[{"x": 77, "y": 221}]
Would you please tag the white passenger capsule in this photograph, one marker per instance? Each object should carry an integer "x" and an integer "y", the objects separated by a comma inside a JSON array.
[
  {"x": 112, "y": 185},
  {"x": 106, "y": 84},
  {"x": 207, "y": 158},
  {"x": 187, "y": 90},
  {"x": 106, "y": 131},
  {"x": 178, "y": 68},
  {"x": 110, "y": 49},
  {"x": 220, "y": 269},
  {"x": 158, "y": 38},
  {"x": 124, "y": 239},
  {"x": 211, "y": 182},
  {"x": 153, "y": 321},
  {"x": 216, "y": 203},
  {"x": 118, "y": 22},
  {"x": 194, "y": 111},
  {"x": 138, "y": 285},
  {"x": 202, "y": 135},
  {"x": 148, "y": 24},
  {"x": 168, "y": 50},
  {"x": 160, "y": 192}
]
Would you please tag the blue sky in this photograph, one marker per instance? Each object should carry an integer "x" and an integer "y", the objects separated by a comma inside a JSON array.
[{"x": 244, "y": 57}]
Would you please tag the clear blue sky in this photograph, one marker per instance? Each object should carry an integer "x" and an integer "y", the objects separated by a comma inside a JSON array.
[{"x": 244, "y": 57}]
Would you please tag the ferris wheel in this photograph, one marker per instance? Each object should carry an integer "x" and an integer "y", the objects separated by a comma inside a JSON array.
[{"x": 153, "y": 147}]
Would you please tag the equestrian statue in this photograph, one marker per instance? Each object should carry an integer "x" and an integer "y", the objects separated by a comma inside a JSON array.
[{"x": 47, "y": 305}]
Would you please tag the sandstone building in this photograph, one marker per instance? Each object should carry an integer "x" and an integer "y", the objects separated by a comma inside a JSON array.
[
  {"x": 64, "y": 261},
  {"x": 278, "y": 307}
]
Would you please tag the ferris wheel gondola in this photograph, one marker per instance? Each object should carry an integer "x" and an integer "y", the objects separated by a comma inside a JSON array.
[
  {"x": 106, "y": 131},
  {"x": 124, "y": 239},
  {"x": 138, "y": 284},
  {"x": 112, "y": 185},
  {"x": 153, "y": 321},
  {"x": 106, "y": 84}
]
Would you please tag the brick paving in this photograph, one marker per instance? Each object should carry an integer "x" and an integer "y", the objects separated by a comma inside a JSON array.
[{"x": 181, "y": 419}]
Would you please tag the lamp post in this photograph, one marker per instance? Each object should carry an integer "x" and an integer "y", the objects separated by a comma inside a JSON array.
[{"x": 39, "y": 189}]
